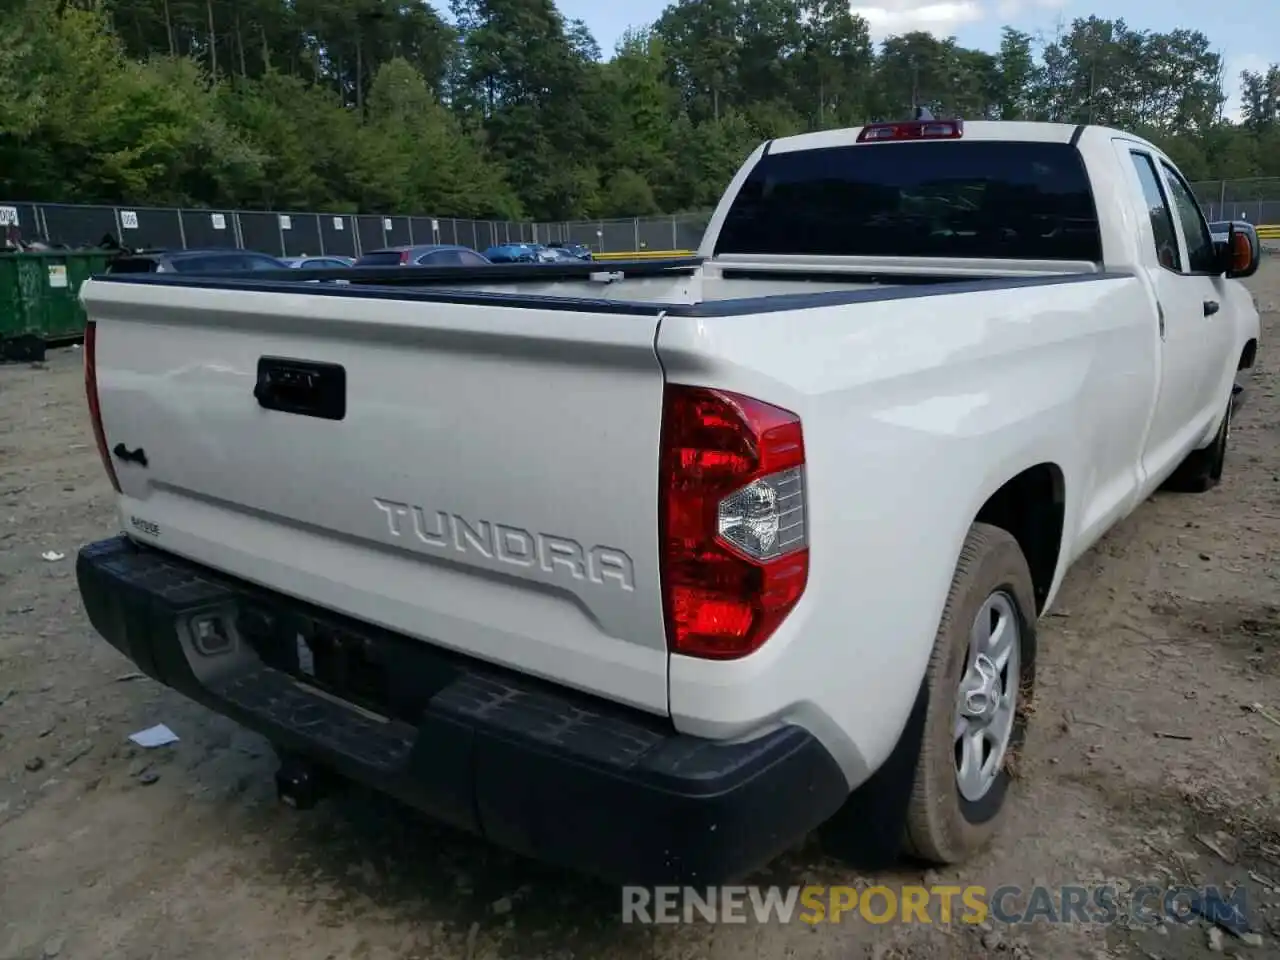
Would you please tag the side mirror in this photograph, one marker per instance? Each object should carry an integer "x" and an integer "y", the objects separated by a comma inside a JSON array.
[{"x": 1240, "y": 256}]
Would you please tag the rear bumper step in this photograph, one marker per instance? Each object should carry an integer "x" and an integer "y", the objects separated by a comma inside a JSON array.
[{"x": 534, "y": 768}]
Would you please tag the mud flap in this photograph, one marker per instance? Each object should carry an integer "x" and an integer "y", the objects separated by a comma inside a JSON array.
[{"x": 866, "y": 833}]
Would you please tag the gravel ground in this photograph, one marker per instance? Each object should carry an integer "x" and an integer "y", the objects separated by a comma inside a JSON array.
[{"x": 1144, "y": 761}]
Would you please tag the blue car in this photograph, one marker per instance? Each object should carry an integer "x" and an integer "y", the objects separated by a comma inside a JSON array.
[
  {"x": 579, "y": 250},
  {"x": 530, "y": 253},
  {"x": 514, "y": 253}
]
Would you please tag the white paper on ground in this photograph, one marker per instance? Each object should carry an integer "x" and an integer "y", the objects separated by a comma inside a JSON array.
[{"x": 156, "y": 736}]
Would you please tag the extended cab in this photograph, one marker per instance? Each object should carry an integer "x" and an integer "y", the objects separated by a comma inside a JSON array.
[{"x": 650, "y": 569}]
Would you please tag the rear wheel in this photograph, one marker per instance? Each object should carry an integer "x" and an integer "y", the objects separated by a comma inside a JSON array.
[
  {"x": 1202, "y": 470},
  {"x": 979, "y": 682}
]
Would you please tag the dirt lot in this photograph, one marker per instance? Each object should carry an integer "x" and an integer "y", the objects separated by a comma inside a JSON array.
[{"x": 1144, "y": 762}]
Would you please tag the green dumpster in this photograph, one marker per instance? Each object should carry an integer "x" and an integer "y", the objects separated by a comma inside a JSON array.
[{"x": 40, "y": 298}]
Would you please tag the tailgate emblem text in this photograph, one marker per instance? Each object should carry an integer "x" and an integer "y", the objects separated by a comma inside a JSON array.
[{"x": 508, "y": 544}]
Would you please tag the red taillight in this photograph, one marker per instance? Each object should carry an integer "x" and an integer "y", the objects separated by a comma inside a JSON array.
[
  {"x": 735, "y": 555},
  {"x": 913, "y": 130},
  {"x": 91, "y": 394}
]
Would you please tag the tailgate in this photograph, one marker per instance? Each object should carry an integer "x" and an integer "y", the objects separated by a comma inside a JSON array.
[{"x": 491, "y": 485}]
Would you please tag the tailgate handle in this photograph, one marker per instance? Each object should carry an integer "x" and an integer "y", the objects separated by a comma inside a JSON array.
[
  {"x": 138, "y": 456},
  {"x": 307, "y": 388}
]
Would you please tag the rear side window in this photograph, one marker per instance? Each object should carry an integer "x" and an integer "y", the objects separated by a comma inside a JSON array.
[
  {"x": 970, "y": 199},
  {"x": 260, "y": 263},
  {"x": 441, "y": 258},
  {"x": 389, "y": 259},
  {"x": 211, "y": 264},
  {"x": 1158, "y": 210}
]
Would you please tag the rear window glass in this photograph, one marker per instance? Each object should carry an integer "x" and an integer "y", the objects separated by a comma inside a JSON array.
[
  {"x": 970, "y": 199},
  {"x": 131, "y": 265},
  {"x": 389, "y": 259}
]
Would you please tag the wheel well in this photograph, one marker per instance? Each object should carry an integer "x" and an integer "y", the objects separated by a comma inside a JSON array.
[
  {"x": 1030, "y": 507},
  {"x": 1248, "y": 355}
]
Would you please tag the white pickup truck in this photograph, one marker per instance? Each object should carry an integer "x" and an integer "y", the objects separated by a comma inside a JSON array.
[{"x": 651, "y": 569}]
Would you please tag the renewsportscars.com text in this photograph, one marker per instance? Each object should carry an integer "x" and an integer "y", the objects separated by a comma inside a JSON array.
[{"x": 1144, "y": 904}]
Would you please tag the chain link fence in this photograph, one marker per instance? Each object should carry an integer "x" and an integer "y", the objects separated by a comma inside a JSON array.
[
  {"x": 318, "y": 234},
  {"x": 1256, "y": 200}
]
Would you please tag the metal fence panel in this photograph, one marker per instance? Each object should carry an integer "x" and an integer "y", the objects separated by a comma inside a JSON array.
[
  {"x": 448, "y": 231},
  {"x": 154, "y": 228},
  {"x": 261, "y": 232},
  {"x": 689, "y": 232},
  {"x": 618, "y": 236},
  {"x": 23, "y": 218},
  {"x": 338, "y": 233},
  {"x": 477, "y": 234},
  {"x": 80, "y": 226},
  {"x": 656, "y": 234},
  {"x": 302, "y": 238},
  {"x": 555, "y": 233},
  {"x": 580, "y": 232},
  {"x": 397, "y": 235},
  {"x": 209, "y": 228},
  {"x": 420, "y": 228},
  {"x": 370, "y": 233}
]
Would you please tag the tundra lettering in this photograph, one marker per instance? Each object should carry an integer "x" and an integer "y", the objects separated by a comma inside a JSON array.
[{"x": 508, "y": 544}]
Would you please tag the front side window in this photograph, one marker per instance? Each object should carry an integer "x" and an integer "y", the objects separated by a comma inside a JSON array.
[
  {"x": 1200, "y": 255},
  {"x": 1166, "y": 238}
]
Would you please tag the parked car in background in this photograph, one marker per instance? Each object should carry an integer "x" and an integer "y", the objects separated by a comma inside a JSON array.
[
  {"x": 579, "y": 250},
  {"x": 1219, "y": 229},
  {"x": 319, "y": 263},
  {"x": 194, "y": 261},
  {"x": 423, "y": 255},
  {"x": 531, "y": 253},
  {"x": 558, "y": 255}
]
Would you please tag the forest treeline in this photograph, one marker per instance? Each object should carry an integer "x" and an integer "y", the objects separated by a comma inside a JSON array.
[{"x": 505, "y": 109}]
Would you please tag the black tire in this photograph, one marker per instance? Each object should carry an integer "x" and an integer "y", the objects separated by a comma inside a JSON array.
[
  {"x": 943, "y": 827},
  {"x": 1202, "y": 470}
]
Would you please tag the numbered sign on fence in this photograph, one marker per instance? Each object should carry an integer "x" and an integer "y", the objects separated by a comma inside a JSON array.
[
  {"x": 9, "y": 217},
  {"x": 129, "y": 219},
  {"x": 386, "y": 223},
  {"x": 337, "y": 223},
  {"x": 219, "y": 221},
  {"x": 286, "y": 222}
]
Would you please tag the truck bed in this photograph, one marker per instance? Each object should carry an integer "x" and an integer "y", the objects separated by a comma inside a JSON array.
[{"x": 685, "y": 286}]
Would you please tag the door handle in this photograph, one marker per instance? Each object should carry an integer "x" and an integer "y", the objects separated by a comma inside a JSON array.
[{"x": 1210, "y": 307}]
